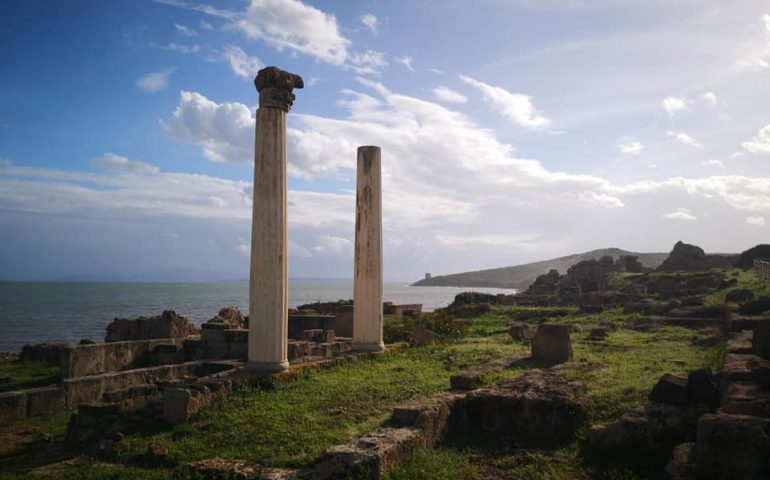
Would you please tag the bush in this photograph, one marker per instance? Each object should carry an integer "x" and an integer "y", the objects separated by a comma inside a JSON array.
[
  {"x": 448, "y": 328},
  {"x": 472, "y": 298}
]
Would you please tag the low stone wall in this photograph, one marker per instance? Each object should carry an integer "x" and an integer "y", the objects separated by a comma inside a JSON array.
[
  {"x": 31, "y": 401},
  {"x": 90, "y": 389},
  {"x": 98, "y": 358}
]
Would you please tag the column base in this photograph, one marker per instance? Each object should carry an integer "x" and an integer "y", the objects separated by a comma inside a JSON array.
[
  {"x": 368, "y": 347},
  {"x": 267, "y": 367}
]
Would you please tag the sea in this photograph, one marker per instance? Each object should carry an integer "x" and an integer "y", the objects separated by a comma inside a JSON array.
[{"x": 68, "y": 312}]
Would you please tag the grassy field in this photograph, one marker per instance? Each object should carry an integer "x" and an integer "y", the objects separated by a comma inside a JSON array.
[
  {"x": 292, "y": 424},
  {"x": 27, "y": 374}
]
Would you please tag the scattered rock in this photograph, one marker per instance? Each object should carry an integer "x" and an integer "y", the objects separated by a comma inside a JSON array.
[
  {"x": 682, "y": 464},
  {"x": 552, "y": 343},
  {"x": 760, "y": 342},
  {"x": 424, "y": 337},
  {"x": 598, "y": 334},
  {"x": 733, "y": 447},
  {"x": 520, "y": 331},
  {"x": 646, "y": 428},
  {"x": 739, "y": 296},
  {"x": 671, "y": 390},
  {"x": 167, "y": 325},
  {"x": 701, "y": 389},
  {"x": 756, "y": 307}
]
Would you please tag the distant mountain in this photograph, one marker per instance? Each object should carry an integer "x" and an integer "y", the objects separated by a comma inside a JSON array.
[{"x": 521, "y": 276}]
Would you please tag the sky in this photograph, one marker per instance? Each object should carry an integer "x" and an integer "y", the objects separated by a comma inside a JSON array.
[{"x": 511, "y": 131}]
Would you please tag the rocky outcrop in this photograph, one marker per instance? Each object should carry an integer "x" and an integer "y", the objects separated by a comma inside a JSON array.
[
  {"x": 691, "y": 258},
  {"x": 746, "y": 259},
  {"x": 167, "y": 325}
]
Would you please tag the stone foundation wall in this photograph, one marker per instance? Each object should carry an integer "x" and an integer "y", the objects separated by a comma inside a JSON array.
[{"x": 98, "y": 358}]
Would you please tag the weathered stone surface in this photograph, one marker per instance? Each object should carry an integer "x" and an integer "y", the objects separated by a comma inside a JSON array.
[
  {"x": 520, "y": 331},
  {"x": 701, "y": 389},
  {"x": 733, "y": 447},
  {"x": 552, "y": 343},
  {"x": 98, "y": 358},
  {"x": 671, "y": 390},
  {"x": 745, "y": 398},
  {"x": 234, "y": 469},
  {"x": 712, "y": 311},
  {"x": 690, "y": 258},
  {"x": 646, "y": 428},
  {"x": 761, "y": 340},
  {"x": 13, "y": 405},
  {"x": 41, "y": 352},
  {"x": 598, "y": 333},
  {"x": 44, "y": 400},
  {"x": 682, "y": 464},
  {"x": 167, "y": 325},
  {"x": 739, "y": 296},
  {"x": 740, "y": 342},
  {"x": 537, "y": 409},
  {"x": 424, "y": 337},
  {"x": 756, "y": 307},
  {"x": 430, "y": 416},
  {"x": 275, "y": 88}
]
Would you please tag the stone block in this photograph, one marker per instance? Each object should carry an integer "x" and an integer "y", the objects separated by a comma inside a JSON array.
[
  {"x": 13, "y": 405},
  {"x": 552, "y": 343},
  {"x": 520, "y": 331},
  {"x": 177, "y": 404},
  {"x": 761, "y": 340},
  {"x": 44, "y": 400},
  {"x": 740, "y": 342},
  {"x": 424, "y": 337},
  {"x": 311, "y": 335},
  {"x": 701, "y": 389},
  {"x": 756, "y": 307},
  {"x": 671, "y": 390},
  {"x": 167, "y": 325},
  {"x": 732, "y": 447}
]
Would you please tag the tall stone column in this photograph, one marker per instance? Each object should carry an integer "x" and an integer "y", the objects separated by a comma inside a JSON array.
[
  {"x": 268, "y": 282},
  {"x": 367, "y": 286}
]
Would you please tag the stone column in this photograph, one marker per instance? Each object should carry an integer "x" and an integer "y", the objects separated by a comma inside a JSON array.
[
  {"x": 367, "y": 287},
  {"x": 268, "y": 283}
]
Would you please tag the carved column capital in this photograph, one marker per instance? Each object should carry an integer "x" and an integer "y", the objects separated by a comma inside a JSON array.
[{"x": 275, "y": 88}]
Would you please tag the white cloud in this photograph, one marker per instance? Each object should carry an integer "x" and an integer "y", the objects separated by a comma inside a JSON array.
[
  {"x": 206, "y": 25},
  {"x": 177, "y": 47},
  {"x": 766, "y": 19},
  {"x": 110, "y": 161},
  {"x": 154, "y": 81},
  {"x": 368, "y": 62},
  {"x": 685, "y": 139},
  {"x": 406, "y": 61},
  {"x": 334, "y": 245},
  {"x": 592, "y": 198},
  {"x": 241, "y": 63},
  {"x": 370, "y": 22},
  {"x": 673, "y": 105},
  {"x": 186, "y": 31},
  {"x": 713, "y": 163},
  {"x": 446, "y": 94},
  {"x": 710, "y": 98},
  {"x": 630, "y": 147},
  {"x": 680, "y": 214},
  {"x": 296, "y": 26},
  {"x": 517, "y": 107},
  {"x": 758, "y": 221},
  {"x": 225, "y": 131},
  {"x": 759, "y": 144}
]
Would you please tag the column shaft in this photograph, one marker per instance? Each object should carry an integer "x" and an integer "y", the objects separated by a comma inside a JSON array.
[
  {"x": 367, "y": 287},
  {"x": 268, "y": 287}
]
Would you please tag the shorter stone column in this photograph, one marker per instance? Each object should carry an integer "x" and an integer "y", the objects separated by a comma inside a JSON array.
[{"x": 367, "y": 287}]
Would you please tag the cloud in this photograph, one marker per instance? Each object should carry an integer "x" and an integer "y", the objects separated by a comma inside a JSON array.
[
  {"x": 225, "y": 132},
  {"x": 630, "y": 148},
  {"x": 766, "y": 19},
  {"x": 206, "y": 25},
  {"x": 110, "y": 161},
  {"x": 674, "y": 105},
  {"x": 240, "y": 62},
  {"x": 294, "y": 25},
  {"x": 370, "y": 22},
  {"x": 177, "y": 47},
  {"x": 446, "y": 94},
  {"x": 710, "y": 98},
  {"x": 186, "y": 31},
  {"x": 517, "y": 107},
  {"x": 368, "y": 62},
  {"x": 760, "y": 144},
  {"x": 685, "y": 139},
  {"x": 680, "y": 214},
  {"x": 713, "y": 163},
  {"x": 154, "y": 81},
  {"x": 592, "y": 198},
  {"x": 406, "y": 61},
  {"x": 757, "y": 221}
]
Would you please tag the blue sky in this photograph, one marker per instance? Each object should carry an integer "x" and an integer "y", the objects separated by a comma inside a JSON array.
[{"x": 512, "y": 131}]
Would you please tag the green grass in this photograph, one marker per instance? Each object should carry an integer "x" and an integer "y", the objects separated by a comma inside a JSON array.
[
  {"x": 27, "y": 374},
  {"x": 439, "y": 464},
  {"x": 746, "y": 279},
  {"x": 294, "y": 423}
]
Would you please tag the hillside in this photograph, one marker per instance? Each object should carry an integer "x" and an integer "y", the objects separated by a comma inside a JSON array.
[{"x": 521, "y": 276}]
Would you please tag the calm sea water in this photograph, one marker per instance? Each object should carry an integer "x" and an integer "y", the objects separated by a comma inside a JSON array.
[{"x": 68, "y": 312}]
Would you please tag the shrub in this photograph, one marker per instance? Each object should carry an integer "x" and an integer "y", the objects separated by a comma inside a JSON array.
[{"x": 447, "y": 327}]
